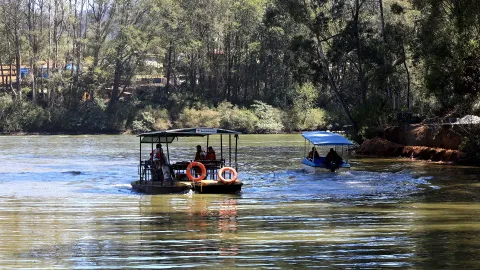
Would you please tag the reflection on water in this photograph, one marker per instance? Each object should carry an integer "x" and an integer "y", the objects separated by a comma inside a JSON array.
[{"x": 64, "y": 210}]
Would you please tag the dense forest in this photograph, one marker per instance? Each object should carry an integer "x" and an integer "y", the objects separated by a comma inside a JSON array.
[{"x": 253, "y": 65}]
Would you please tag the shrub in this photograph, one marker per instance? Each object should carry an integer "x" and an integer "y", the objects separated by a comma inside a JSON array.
[
  {"x": 150, "y": 119},
  {"x": 198, "y": 118},
  {"x": 314, "y": 119},
  {"x": 269, "y": 118},
  {"x": 94, "y": 116},
  {"x": 235, "y": 118},
  {"x": 20, "y": 115}
]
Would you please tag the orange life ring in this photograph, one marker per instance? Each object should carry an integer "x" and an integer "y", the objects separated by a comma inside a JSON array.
[
  {"x": 227, "y": 181},
  {"x": 202, "y": 175}
]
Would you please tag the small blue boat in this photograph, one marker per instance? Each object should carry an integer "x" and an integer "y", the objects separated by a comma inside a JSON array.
[{"x": 313, "y": 162}]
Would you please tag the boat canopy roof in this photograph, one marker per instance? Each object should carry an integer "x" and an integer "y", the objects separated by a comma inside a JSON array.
[
  {"x": 325, "y": 138},
  {"x": 167, "y": 136}
]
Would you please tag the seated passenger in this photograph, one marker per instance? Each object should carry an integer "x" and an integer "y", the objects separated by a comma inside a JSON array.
[
  {"x": 211, "y": 154},
  {"x": 160, "y": 165},
  {"x": 333, "y": 160},
  {"x": 200, "y": 155},
  {"x": 158, "y": 156},
  {"x": 313, "y": 154}
]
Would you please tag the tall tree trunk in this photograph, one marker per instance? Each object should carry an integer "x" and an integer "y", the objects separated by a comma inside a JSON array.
[
  {"x": 169, "y": 66},
  {"x": 358, "y": 45},
  {"x": 408, "y": 77},
  {"x": 49, "y": 49},
  {"x": 31, "y": 21},
  {"x": 18, "y": 61},
  {"x": 384, "y": 40},
  {"x": 1, "y": 71},
  {"x": 11, "y": 76},
  {"x": 333, "y": 85},
  {"x": 116, "y": 85}
]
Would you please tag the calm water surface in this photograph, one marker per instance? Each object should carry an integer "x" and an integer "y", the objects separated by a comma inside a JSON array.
[{"x": 66, "y": 202}]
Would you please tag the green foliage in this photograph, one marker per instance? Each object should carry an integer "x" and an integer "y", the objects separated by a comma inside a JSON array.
[
  {"x": 235, "y": 118},
  {"x": 20, "y": 115},
  {"x": 94, "y": 116},
  {"x": 322, "y": 62},
  {"x": 446, "y": 42},
  {"x": 150, "y": 119},
  {"x": 269, "y": 118},
  {"x": 198, "y": 118},
  {"x": 303, "y": 115},
  {"x": 471, "y": 143},
  {"x": 314, "y": 120},
  {"x": 373, "y": 117}
]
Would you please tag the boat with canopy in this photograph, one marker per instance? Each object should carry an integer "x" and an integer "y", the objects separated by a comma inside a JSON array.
[
  {"x": 159, "y": 174},
  {"x": 322, "y": 139}
]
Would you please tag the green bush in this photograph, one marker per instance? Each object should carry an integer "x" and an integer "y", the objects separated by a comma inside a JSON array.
[
  {"x": 198, "y": 118},
  {"x": 7, "y": 115},
  {"x": 94, "y": 116},
  {"x": 150, "y": 119},
  {"x": 235, "y": 118},
  {"x": 314, "y": 119},
  {"x": 269, "y": 118},
  {"x": 20, "y": 115}
]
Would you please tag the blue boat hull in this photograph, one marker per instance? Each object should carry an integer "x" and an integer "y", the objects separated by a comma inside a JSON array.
[{"x": 318, "y": 165}]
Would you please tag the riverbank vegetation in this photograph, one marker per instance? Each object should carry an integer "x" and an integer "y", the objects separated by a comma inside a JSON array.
[{"x": 253, "y": 65}]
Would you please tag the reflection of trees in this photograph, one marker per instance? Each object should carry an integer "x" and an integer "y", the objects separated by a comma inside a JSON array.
[
  {"x": 227, "y": 226},
  {"x": 209, "y": 218}
]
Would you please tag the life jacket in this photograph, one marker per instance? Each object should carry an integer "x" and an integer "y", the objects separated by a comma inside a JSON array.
[
  {"x": 211, "y": 155},
  {"x": 158, "y": 155}
]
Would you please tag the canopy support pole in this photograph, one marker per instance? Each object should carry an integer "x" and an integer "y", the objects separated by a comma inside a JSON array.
[
  {"x": 168, "y": 152},
  {"x": 230, "y": 150},
  {"x": 141, "y": 160},
  {"x": 221, "y": 146},
  {"x": 236, "y": 152}
]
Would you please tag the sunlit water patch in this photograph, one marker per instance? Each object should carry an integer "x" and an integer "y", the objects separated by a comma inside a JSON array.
[{"x": 299, "y": 185}]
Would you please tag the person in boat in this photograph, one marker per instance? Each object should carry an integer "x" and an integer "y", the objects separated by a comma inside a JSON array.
[
  {"x": 162, "y": 168},
  {"x": 158, "y": 157},
  {"x": 333, "y": 160},
  {"x": 200, "y": 155},
  {"x": 313, "y": 154},
  {"x": 211, "y": 154}
]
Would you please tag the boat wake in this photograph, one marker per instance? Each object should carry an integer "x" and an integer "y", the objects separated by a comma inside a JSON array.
[{"x": 297, "y": 185}]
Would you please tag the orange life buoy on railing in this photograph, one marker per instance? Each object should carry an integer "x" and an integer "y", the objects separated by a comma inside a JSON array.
[
  {"x": 202, "y": 175},
  {"x": 227, "y": 181}
]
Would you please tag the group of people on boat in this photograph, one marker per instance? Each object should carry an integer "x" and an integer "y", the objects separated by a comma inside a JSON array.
[
  {"x": 158, "y": 157},
  {"x": 332, "y": 160},
  {"x": 161, "y": 169},
  {"x": 202, "y": 155}
]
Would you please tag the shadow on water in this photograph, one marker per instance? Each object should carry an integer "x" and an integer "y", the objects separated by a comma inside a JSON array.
[{"x": 291, "y": 185}]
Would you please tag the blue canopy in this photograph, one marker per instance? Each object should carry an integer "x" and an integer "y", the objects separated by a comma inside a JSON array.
[{"x": 325, "y": 138}]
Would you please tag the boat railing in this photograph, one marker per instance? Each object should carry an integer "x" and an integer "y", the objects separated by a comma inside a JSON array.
[
  {"x": 212, "y": 166},
  {"x": 147, "y": 171}
]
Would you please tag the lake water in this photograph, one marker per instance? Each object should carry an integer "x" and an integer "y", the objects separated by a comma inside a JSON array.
[{"x": 66, "y": 202}]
